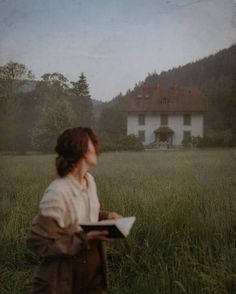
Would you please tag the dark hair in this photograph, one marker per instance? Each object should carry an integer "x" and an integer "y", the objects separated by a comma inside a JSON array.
[{"x": 71, "y": 146}]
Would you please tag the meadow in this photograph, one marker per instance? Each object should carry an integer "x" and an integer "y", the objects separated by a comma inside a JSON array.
[{"x": 184, "y": 238}]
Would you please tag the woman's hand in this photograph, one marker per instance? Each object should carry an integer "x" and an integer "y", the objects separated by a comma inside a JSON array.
[
  {"x": 102, "y": 235},
  {"x": 98, "y": 235},
  {"x": 113, "y": 215}
]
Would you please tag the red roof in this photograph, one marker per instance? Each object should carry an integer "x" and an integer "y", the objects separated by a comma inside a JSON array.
[
  {"x": 164, "y": 130},
  {"x": 172, "y": 99}
]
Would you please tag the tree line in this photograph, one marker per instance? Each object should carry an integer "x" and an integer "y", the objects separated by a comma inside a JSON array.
[{"x": 33, "y": 113}]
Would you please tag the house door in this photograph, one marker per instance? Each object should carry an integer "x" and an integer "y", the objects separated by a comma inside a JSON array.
[{"x": 163, "y": 137}]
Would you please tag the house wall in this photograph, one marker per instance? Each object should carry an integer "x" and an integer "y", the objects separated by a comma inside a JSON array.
[{"x": 175, "y": 122}]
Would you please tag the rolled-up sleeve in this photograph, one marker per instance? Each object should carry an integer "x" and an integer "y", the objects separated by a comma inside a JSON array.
[
  {"x": 52, "y": 205},
  {"x": 46, "y": 238}
]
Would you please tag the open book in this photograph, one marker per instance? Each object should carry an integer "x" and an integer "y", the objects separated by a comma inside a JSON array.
[{"x": 117, "y": 228}]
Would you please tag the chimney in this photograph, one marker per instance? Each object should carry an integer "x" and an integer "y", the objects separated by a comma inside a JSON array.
[{"x": 158, "y": 85}]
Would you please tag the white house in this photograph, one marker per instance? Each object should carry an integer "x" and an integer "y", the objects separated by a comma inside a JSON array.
[{"x": 165, "y": 115}]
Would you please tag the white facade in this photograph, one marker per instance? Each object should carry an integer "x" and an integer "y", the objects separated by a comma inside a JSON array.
[{"x": 175, "y": 123}]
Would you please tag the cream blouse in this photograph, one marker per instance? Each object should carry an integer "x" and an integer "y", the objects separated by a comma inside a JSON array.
[{"x": 68, "y": 202}]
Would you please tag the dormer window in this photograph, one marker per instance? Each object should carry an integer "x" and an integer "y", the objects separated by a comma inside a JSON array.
[
  {"x": 139, "y": 96},
  {"x": 164, "y": 100},
  {"x": 147, "y": 96}
]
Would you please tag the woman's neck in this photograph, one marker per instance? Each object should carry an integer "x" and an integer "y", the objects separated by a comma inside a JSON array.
[{"x": 79, "y": 173}]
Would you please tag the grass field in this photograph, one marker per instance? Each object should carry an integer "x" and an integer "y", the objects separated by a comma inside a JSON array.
[{"x": 184, "y": 238}]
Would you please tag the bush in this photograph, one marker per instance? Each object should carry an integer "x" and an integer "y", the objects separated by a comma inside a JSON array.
[
  {"x": 223, "y": 138},
  {"x": 130, "y": 142},
  {"x": 106, "y": 142},
  {"x": 187, "y": 143},
  {"x": 192, "y": 141}
]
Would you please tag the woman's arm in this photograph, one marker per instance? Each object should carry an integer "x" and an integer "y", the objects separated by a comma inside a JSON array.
[
  {"x": 103, "y": 214},
  {"x": 46, "y": 238}
]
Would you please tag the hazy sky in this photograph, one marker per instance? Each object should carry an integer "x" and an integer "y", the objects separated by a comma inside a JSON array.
[{"x": 115, "y": 43}]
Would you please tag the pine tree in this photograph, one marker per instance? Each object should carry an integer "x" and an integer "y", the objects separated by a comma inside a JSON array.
[{"x": 82, "y": 102}]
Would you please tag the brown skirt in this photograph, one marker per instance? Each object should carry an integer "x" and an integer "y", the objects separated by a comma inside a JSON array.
[
  {"x": 78, "y": 274},
  {"x": 87, "y": 272}
]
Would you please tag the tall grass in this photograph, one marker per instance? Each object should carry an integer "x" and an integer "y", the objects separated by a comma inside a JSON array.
[{"x": 184, "y": 238}]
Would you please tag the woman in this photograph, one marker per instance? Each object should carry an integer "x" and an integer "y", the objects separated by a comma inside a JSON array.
[{"x": 74, "y": 261}]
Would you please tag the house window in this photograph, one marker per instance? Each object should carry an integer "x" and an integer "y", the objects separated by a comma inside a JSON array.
[
  {"x": 141, "y": 135},
  {"x": 164, "y": 119},
  {"x": 187, "y": 119},
  {"x": 141, "y": 119},
  {"x": 187, "y": 135}
]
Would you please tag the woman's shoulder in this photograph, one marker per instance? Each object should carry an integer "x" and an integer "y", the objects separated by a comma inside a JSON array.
[
  {"x": 53, "y": 201},
  {"x": 58, "y": 184},
  {"x": 55, "y": 189}
]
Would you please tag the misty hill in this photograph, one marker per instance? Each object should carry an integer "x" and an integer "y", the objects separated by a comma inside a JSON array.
[
  {"x": 97, "y": 107},
  {"x": 195, "y": 73}
]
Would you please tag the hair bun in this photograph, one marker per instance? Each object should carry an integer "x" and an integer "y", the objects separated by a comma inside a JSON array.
[{"x": 63, "y": 165}]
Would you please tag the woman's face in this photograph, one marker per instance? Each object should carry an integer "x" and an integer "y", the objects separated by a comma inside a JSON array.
[{"x": 91, "y": 155}]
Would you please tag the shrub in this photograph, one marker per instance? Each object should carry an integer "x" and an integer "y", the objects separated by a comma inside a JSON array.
[
  {"x": 192, "y": 141},
  {"x": 106, "y": 142},
  {"x": 222, "y": 138},
  {"x": 187, "y": 143},
  {"x": 130, "y": 142}
]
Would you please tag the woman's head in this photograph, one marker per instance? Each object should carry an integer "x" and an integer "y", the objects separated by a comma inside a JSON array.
[{"x": 73, "y": 145}]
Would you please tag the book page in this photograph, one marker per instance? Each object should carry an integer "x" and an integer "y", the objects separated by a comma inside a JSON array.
[
  {"x": 102, "y": 222},
  {"x": 125, "y": 223}
]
